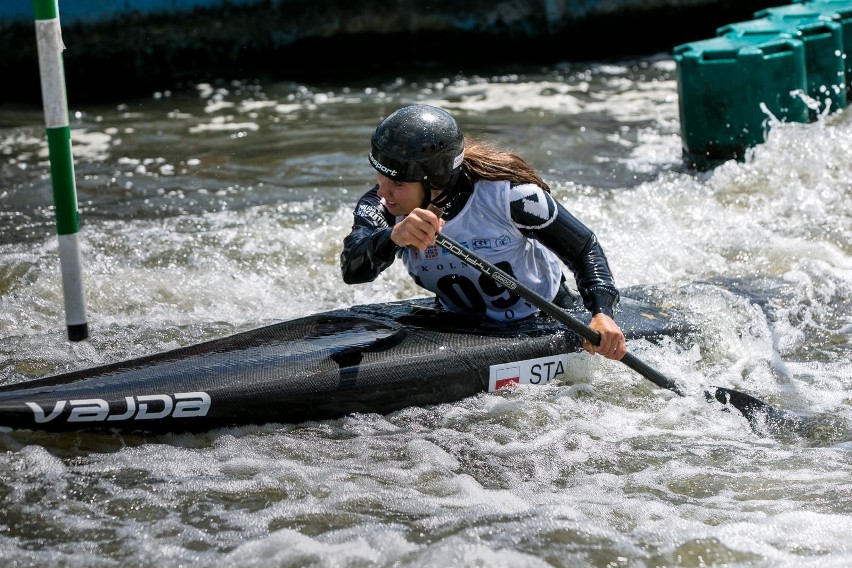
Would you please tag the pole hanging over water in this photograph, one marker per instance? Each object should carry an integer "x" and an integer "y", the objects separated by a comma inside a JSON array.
[{"x": 50, "y": 47}]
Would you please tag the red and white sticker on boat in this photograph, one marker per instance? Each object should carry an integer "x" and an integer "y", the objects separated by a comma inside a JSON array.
[{"x": 538, "y": 371}]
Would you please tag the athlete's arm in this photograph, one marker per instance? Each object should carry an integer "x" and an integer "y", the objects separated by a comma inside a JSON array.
[
  {"x": 578, "y": 247},
  {"x": 541, "y": 217},
  {"x": 368, "y": 248}
]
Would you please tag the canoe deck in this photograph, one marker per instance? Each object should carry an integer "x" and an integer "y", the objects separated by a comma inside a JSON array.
[{"x": 375, "y": 358}]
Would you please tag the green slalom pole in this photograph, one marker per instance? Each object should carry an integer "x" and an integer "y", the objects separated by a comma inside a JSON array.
[{"x": 50, "y": 47}]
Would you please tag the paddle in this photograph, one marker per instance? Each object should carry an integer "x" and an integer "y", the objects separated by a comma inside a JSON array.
[{"x": 756, "y": 411}]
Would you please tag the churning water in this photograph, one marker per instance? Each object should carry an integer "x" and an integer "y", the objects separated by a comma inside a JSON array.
[{"x": 216, "y": 211}]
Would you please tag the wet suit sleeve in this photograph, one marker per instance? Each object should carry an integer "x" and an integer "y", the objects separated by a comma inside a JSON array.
[
  {"x": 541, "y": 217},
  {"x": 368, "y": 248}
]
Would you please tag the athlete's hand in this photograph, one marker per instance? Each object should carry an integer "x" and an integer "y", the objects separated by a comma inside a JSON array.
[
  {"x": 417, "y": 229},
  {"x": 612, "y": 345}
]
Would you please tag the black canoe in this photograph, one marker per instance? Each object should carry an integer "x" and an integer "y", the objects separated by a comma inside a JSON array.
[{"x": 374, "y": 358}]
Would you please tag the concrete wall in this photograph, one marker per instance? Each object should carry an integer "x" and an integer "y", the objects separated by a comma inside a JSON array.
[{"x": 124, "y": 48}]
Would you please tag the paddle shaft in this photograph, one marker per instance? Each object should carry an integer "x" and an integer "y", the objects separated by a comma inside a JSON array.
[{"x": 550, "y": 308}]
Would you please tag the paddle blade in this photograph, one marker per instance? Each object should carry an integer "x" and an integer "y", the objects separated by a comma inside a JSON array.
[{"x": 759, "y": 414}]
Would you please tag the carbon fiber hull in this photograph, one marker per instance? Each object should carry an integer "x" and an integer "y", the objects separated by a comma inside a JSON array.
[{"x": 374, "y": 358}]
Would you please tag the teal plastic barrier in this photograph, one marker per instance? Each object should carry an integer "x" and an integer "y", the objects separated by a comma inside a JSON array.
[
  {"x": 839, "y": 11},
  {"x": 823, "y": 41},
  {"x": 723, "y": 83}
]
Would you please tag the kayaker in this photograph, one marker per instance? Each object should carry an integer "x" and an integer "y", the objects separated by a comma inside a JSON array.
[{"x": 493, "y": 202}]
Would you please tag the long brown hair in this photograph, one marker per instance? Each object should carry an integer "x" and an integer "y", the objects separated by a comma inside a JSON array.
[{"x": 484, "y": 161}]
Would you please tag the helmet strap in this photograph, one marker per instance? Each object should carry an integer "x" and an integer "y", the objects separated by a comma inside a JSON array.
[
  {"x": 450, "y": 189},
  {"x": 427, "y": 193}
]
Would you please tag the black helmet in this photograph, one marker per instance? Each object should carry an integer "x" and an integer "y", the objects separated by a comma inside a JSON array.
[{"x": 418, "y": 143}]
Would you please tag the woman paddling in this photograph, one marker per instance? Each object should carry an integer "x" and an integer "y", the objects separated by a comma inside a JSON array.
[{"x": 494, "y": 203}]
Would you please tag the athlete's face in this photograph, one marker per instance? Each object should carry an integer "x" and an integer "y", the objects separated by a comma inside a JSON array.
[{"x": 400, "y": 197}]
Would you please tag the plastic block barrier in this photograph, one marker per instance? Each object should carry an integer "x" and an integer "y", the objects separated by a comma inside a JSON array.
[
  {"x": 839, "y": 11},
  {"x": 790, "y": 61},
  {"x": 823, "y": 39},
  {"x": 724, "y": 84}
]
